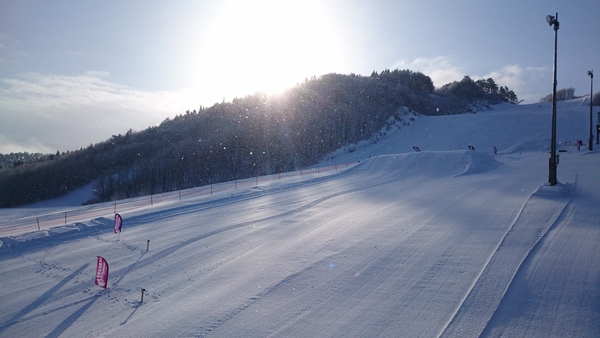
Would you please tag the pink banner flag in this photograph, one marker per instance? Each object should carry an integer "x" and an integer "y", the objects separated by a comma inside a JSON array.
[
  {"x": 101, "y": 273},
  {"x": 118, "y": 223}
]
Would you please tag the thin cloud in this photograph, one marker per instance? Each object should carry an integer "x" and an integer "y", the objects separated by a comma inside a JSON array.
[
  {"x": 439, "y": 69},
  {"x": 9, "y": 53},
  {"x": 69, "y": 112},
  {"x": 522, "y": 80},
  {"x": 4, "y": 39}
]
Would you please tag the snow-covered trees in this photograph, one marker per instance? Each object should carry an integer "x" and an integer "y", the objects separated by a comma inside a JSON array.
[
  {"x": 467, "y": 90},
  {"x": 254, "y": 135},
  {"x": 561, "y": 95}
]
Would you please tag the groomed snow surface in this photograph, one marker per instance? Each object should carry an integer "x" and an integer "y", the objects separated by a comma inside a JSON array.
[{"x": 446, "y": 242}]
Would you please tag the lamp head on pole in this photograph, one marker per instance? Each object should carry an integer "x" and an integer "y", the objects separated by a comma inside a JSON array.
[
  {"x": 552, "y": 20},
  {"x": 591, "y": 73}
]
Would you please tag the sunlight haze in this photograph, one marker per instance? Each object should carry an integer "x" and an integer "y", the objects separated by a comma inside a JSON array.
[{"x": 266, "y": 46}]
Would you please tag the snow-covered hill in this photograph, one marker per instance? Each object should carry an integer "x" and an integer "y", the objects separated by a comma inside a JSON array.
[
  {"x": 508, "y": 127},
  {"x": 442, "y": 242}
]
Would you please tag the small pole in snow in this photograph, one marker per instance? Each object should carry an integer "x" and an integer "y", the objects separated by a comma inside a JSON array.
[
  {"x": 147, "y": 245},
  {"x": 65, "y": 218},
  {"x": 151, "y": 201},
  {"x": 143, "y": 290},
  {"x": 211, "y": 191},
  {"x": 38, "y": 221},
  {"x": 179, "y": 195}
]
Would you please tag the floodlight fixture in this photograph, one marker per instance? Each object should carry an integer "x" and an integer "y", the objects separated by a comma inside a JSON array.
[{"x": 552, "y": 20}]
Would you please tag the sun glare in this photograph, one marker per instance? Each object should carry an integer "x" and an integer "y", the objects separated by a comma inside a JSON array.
[{"x": 267, "y": 46}]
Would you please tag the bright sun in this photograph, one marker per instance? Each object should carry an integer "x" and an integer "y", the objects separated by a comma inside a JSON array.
[{"x": 267, "y": 46}]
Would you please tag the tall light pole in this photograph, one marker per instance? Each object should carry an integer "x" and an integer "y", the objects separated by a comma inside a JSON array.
[
  {"x": 591, "y": 142},
  {"x": 553, "y": 161}
]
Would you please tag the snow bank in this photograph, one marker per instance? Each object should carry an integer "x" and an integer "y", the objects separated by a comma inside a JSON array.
[{"x": 55, "y": 235}]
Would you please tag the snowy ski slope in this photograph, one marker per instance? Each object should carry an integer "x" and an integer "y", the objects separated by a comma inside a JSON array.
[{"x": 446, "y": 242}]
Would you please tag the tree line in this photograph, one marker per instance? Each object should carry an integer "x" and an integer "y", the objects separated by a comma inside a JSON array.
[
  {"x": 569, "y": 94},
  {"x": 249, "y": 136}
]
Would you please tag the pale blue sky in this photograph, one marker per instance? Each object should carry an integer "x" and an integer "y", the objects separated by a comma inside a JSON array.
[{"x": 76, "y": 72}]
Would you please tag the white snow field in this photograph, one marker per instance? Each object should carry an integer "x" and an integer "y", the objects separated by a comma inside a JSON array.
[{"x": 446, "y": 242}]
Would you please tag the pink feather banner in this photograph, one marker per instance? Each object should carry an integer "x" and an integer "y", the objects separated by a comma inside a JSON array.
[
  {"x": 118, "y": 223},
  {"x": 101, "y": 273}
]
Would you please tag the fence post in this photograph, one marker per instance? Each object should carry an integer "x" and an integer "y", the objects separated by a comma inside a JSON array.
[
  {"x": 38, "y": 222},
  {"x": 65, "y": 218}
]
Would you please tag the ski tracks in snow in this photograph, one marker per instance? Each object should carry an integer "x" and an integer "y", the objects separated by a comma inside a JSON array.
[{"x": 539, "y": 214}]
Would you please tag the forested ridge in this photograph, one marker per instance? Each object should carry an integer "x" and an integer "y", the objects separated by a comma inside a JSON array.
[{"x": 250, "y": 136}]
